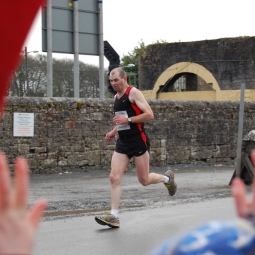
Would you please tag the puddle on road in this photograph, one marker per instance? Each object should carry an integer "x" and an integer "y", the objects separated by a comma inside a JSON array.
[{"x": 74, "y": 212}]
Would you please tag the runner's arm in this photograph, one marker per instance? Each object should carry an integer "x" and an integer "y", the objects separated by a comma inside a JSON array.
[
  {"x": 110, "y": 135},
  {"x": 136, "y": 97}
]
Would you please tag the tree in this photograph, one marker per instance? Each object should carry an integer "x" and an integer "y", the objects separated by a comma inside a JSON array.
[
  {"x": 132, "y": 58},
  {"x": 63, "y": 78},
  {"x": 63, "y": 85},
  {"x": 36, "y": 73},
  {"x": 18, "y": 83},
  {"x": 89, "y": 81},
  {"x": 37, "y": 76}
]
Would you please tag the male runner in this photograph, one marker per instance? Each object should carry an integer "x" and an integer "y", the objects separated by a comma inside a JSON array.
[{"x": 131, "y": 111}]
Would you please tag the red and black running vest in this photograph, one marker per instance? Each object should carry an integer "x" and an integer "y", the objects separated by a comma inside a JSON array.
[{"x": 123, "y": 104}]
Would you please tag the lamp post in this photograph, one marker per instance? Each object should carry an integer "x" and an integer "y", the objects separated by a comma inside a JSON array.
[
  {"x": 129, "y": 65},
  {"x": 129, "y": 74},
  {"x": 26, "y": 53},
  {"x": 114, "y": 66}
]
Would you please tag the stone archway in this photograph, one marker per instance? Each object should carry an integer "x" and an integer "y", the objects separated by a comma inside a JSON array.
[{"x": 185, "y": 67}]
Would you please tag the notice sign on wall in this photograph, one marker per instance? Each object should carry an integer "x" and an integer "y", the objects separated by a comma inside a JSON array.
[{"x": 23, "y": 124}]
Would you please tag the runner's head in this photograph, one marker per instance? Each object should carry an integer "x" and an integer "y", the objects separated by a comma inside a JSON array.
[
  {"x": 118, "y": 79},
  {"x": 119, "y": 71}
]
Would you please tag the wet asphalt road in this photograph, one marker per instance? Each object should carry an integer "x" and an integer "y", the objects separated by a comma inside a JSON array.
[
  {"x": 148, "y": 215},
  {"x": 140, "y": 232}
]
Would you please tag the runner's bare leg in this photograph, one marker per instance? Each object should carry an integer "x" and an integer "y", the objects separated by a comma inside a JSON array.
[
  {"x": 142, "y": 164},
  {"x": 118, "y": 166}
]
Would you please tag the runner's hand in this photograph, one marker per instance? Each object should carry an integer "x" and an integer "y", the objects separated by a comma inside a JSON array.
[
  {"x": 110, "y": 136},
  {"x": 120, "y": 120},
  {"x": 17, "y": 225},
  {"x": 245, "y": 207}
]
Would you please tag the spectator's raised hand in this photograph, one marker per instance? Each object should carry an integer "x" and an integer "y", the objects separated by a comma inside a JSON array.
[
  {"x": 17, "y": 225},
  {"x": 245, "y": 207}
]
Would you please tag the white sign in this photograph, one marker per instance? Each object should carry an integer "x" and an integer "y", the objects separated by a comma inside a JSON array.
[{"x": 23, "y": 124}]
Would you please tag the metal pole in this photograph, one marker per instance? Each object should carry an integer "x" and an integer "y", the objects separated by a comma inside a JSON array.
[
  {"x": 240, "y": 132},
  {"x": 49, "y": 50},
  {"x": 76, "y": 72},
  {"x": 101, "y": 49},
  {"x": 26, "y": 71}
]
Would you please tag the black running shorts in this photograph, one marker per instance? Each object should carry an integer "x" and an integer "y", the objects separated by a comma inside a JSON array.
[{"x": 132, "y": 146}]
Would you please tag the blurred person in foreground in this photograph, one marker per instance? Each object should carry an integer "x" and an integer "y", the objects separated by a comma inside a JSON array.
[
  {"x": 220, "y": 237},
  {"x": 18, "y": 225}
]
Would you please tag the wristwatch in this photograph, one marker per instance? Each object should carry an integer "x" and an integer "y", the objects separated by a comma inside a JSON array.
[{"x": 129, "y": 120}]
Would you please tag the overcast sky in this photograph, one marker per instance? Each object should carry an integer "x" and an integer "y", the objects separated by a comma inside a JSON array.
[{"x": 128, "y": 22}]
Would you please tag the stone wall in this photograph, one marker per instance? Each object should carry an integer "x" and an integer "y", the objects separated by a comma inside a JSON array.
[
  {"x": 69, "y": 133},
  {"x": 230, "y": 60}
]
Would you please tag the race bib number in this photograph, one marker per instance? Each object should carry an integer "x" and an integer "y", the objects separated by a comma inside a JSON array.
[{"x": 125, "y": 126}]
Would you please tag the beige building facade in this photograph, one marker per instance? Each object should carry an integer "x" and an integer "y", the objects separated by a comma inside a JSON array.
[
  {"x": 210, "y": 70},
  {"x": 216, "y": 94}
]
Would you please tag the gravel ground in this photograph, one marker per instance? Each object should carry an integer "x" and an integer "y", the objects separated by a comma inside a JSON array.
[{"x": 73, "y": 193}]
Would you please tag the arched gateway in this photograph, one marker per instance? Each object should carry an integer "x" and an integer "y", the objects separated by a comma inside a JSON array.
[
  {"x": 185, "y": 67},
  {"x": 208, "y": 70}
]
